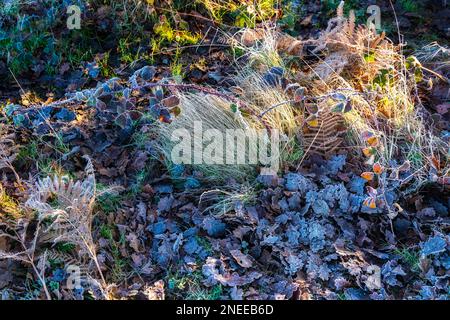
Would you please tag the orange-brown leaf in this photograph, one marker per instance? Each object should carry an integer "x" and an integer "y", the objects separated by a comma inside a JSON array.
[
  {"x": 377, "y": 168},
  {"x": 368, "y": 151},
  {"x": 372, "y": 141},
  {"x": 367, "y": 175},
  {"x": 436, "y": 163},
  {"x": 370, "y": 202}
]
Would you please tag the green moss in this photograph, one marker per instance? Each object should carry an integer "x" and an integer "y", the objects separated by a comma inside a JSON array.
[
  {"x": 119, "y": 264},
  {"x": 29, "y": 151},
  {"x": 292, "y": 153},
  {"x": 205, "y": 243},
  {"x": 238, "y": 13},
  {"x": 50, "y": 167},
  {"x": 177, "y": 67},
  {"x": 126, "y": 52},
  {"x": 108, "y": 202},
  {"x": 182, "y": 36},
  {"x": 189, "y": 286},
  {"x": 9, "y": 207},
  {"x": 410, "y": 257},
  {"x": 410, "y": 5},
  {"x": 103, "y": 63},
  {"x": 65, "y": 247},
  {"x": 416, "y": 158}
]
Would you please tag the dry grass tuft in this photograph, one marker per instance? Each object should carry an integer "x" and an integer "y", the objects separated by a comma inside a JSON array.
[
  {"x": 380, "y": 83},
  {"x": 213, "y": 113}
]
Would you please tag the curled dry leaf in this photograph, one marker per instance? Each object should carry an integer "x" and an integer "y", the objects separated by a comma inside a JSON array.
[
  {"x": 367, "y": 175},
  {"x": 250, "y": 36},
  {"x": 242, "y": 259},
  {"x": 377, "y": 168},
  {"x": 368, "y": 151},
  {"x": 370, "y": 202},
  {"x": 171, "y": 101}
]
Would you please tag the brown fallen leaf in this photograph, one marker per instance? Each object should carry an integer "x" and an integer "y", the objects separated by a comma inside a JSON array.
[
  {"x": 443, "y": 108},
  {"x": 242, "y": 259},
  {"x": 133, "y": 241},
  {"x": 156, "y": 291}
]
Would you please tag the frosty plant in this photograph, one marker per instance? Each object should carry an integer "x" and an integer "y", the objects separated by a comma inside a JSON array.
[
  {"x": 65, "y": 208},
  {"x": 234, "y": 146}
]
